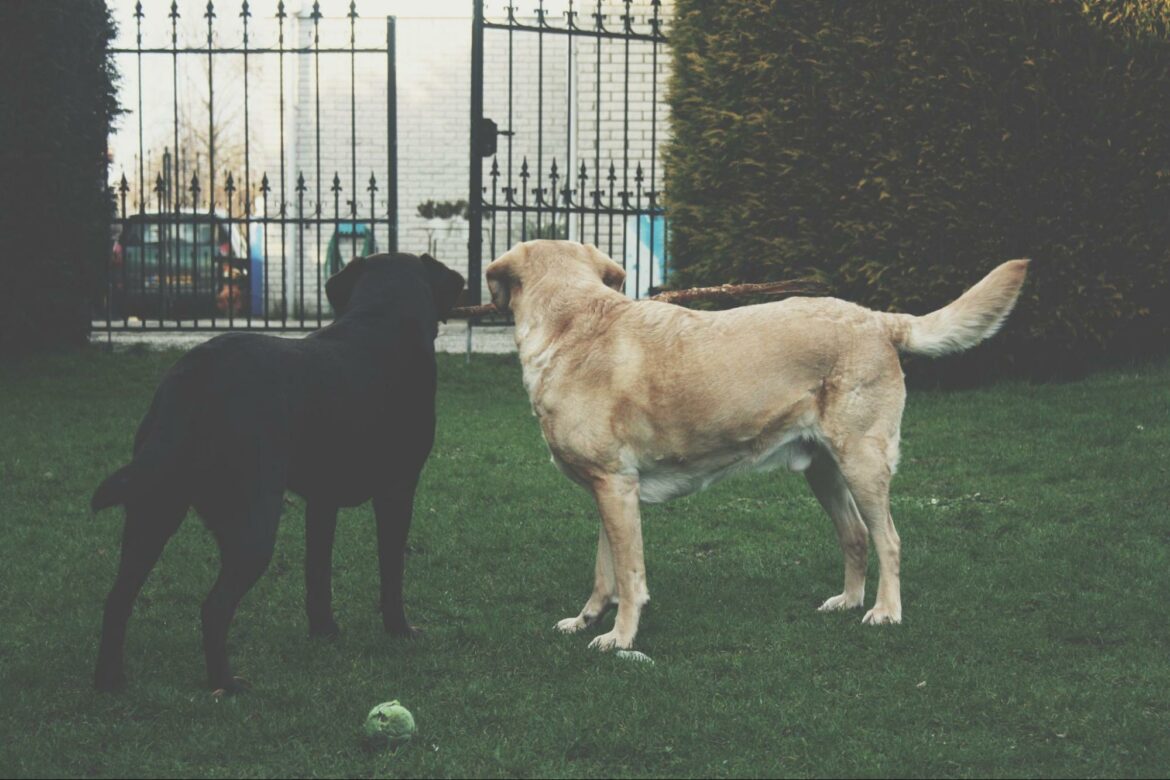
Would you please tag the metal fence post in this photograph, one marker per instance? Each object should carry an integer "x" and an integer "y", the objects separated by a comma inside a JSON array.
[{"x": 475, "y": 195}]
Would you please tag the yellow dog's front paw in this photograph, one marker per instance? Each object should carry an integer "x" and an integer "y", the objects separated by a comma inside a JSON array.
[
  {"x": 611, "y": 641},
  {"x": 841, "y": 602},
  {"x": 570, "y": 625},
  {"x": 879, "y": 616}
]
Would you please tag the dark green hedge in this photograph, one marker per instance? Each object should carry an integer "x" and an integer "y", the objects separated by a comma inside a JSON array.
[
  {"x": 57, "y": 101},
  {"x": 900, "y": 149}
]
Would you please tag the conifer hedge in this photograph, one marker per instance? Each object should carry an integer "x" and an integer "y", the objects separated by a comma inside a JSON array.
[
  {"x": 900, "y": 149},
  {"x": 57, "y": 102}
]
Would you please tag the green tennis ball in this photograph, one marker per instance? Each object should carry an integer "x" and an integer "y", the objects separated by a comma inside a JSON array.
[{"x": 390, "y": 723}]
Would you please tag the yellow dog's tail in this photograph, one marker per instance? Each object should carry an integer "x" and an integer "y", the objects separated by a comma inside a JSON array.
[{"x": 975, "y": 316}]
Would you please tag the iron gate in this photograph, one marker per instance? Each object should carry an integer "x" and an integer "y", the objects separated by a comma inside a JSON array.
[
  {"x": 222, "y": 226},
  {"x": 577, "y": 154}
]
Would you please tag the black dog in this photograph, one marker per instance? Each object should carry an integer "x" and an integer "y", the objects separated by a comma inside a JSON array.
[{"x": 342, "y": 416}]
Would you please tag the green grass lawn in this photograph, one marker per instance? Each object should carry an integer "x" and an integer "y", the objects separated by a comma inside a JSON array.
[{"x": 1035, "y": 580}]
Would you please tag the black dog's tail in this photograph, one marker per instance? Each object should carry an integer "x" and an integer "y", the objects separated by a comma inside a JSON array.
[
  {"x": 160, "y": 448},
  {"x": 155, "y": 470},
  {"x": 116, "y": 489}
]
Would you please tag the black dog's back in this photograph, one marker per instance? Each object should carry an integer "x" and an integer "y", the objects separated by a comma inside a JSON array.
[
  {"x": 206, "y": 410},
  {"x": 331, "y": 412}
]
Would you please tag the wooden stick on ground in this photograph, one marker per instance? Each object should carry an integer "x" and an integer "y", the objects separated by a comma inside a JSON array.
[{"x": 726, "y": 293}]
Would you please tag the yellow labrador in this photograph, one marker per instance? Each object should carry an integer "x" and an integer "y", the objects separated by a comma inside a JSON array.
[{"x": 649, "y": 401}]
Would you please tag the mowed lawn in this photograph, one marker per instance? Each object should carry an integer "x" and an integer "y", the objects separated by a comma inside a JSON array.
[{"x": 1036, "y": 576}]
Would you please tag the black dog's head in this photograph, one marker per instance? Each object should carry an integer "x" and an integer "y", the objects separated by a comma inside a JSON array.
[{"x": 446, "y": 285}]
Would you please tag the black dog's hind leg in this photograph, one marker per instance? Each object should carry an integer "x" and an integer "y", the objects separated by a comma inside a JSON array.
[
  {"x": 246, "y": 541},
  {"x": 149, "y": 525},
  {"x": 320, "y": 524},
  {"x": 392, "y": 509}
]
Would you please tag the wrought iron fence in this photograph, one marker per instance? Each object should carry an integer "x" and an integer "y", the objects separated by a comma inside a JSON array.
[
  {"x": 243, "y": 237},
  {"x": 582, "y": 163}
]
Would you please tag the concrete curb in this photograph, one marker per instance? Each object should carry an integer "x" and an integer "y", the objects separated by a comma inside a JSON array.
[{"x": 453, "y": 338}]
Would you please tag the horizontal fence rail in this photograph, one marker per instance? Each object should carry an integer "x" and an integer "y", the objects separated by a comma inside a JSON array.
[{"x": 227, "y": 227}]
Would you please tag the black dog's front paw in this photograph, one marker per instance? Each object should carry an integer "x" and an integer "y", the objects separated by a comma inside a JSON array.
[
  {"x": 231, "y": 687},
  {"x": 401, "y": 629},
  {"x": 107, "y": 681},
  {"x": 324, "y": 629}
]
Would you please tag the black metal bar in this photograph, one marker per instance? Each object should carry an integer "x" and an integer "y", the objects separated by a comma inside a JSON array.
[
  {"x": 582, "y": 179},
  {"x": 308, "y": 220},
  {"x": 202, "y": 50},
  {"x": 284, "y": 312},
  {"x": 627, "y": 22},
  {"x": 352, "y": 139},
  {"x": 141, "y": 149},
  {"x": 315, "y": 15},
  {"x": 301, "y": 246},
  {"x": 599, "y": 31},
  {"x": 637, "y": 233},
  {"x": 654, "y": 26},
  {"x": 562, "y": 31},
  {"x": 510, "y": 190},
  {"x": 210, "y": 15},
  {"x": 162, "y": 274},
  {"x": 264, "y": 190},
  {"x": 336, "y": 190},
  {"x": 495, "y": 175},
  {"x": 391, "y": 133},
  {"x": 524, "y": 199},
  {"x": 161, "y": 191},
  {"x": 552, "y": 178},
  {"x": 604, "y": 210},
  {"x": 178, "y": 288},
  {"x": 123, "y": 188},
  {"x": 539, "y": 191},
  {"x": 612, "y": 179},
  {"x": 125, "y": 277},
  {"x": 217, "y": 261},
  {"x": 666, "y": 242},
  {"x": 475, "y": 186},
  {"x": 568, "y": 111},
  {"x": 373, "y": 190},
  {"x": 246, "y": 14}
]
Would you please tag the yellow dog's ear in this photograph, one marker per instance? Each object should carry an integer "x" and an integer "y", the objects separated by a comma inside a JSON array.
[
  {"x": 503, "y": 277},
  {"x": 612, "y": 274}
]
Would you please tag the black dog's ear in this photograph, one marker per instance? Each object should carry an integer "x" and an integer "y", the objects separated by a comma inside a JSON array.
[
  {"x": 340, "y": 286},
  {"x": 446, "y": 285}
]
